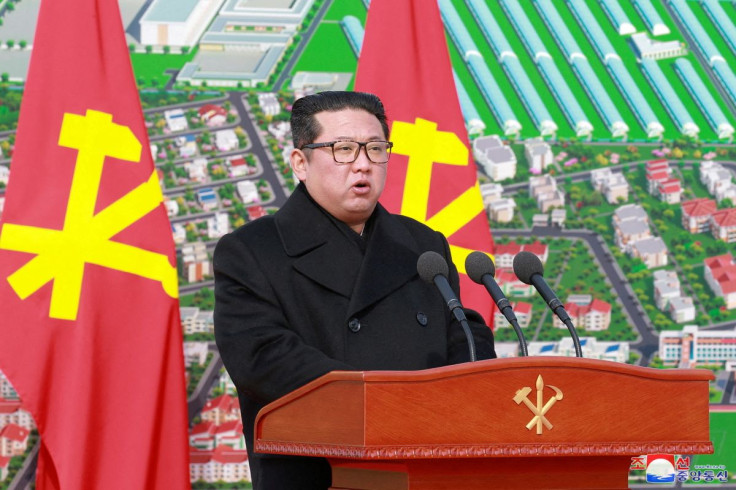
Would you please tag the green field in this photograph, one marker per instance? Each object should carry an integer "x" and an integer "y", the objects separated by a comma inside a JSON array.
[
  {"x": 723, "y": 435},
  {"x": 329, "y": 50}
]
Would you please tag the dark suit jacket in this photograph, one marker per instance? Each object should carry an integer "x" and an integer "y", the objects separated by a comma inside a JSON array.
[{"x": 293, "y": 303}]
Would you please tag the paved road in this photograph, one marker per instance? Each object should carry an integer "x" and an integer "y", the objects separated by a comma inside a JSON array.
[
  {"x": 306, "y": 36},
  {"x": 648, "y": 341},
  {"x": 258, "y": 148}
]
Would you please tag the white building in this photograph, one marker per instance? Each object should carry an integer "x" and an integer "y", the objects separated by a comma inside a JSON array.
[
  {"x": 226, "y": 140},
  {"x": 666, "y": 287},
  {"x": 269, "y": 103},
  {"x": 612, "y": 185},
  {"x": 538, "y": 154},
  {"x": 502, "y": 210},
  {"x": 656, "y": 50},
  {"x": 682, "y": 309},
  {"x": 218, "y": 225},
  {"x": 176, "y": 120},
  {"x": 195, "y": 353},
  {"x": 177, "y": 22},
  {"x": 197, "y": 170},
  {"x": 248, "y": 191},
  {"x": 592, "y": 349},
  {"x": 691, "y": 346},
  {"x": 194, "y": 320},
  {"x": 222, "y": 464},
  {"x": 498, "y": 160},
  {"x": 522, "y": 310},
  {"x": 12, "y": 412},
  {"x": 652, "y": 251}
]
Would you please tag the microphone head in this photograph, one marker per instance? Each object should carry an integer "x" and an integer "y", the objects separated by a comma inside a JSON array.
[
  {"x": 478, "y": 264},
  {"x": 431, "y": 264},
  {"x": 526, "y": 264}
]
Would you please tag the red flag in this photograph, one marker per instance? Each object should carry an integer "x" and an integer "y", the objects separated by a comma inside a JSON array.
[
  {"x": 91, "y": 337},
  {"x": 432, "y": 177}
]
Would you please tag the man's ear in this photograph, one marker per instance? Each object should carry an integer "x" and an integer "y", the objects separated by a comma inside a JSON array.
[{"x": 298, "y": 162}]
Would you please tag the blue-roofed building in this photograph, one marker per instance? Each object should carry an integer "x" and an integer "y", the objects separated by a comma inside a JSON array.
[
  {"x": 549, "y": 71},
  {"x": 478, "y": 68},
  {"x": 703, "y": 98},
  {"x": 591, "y": 347},
  {"x": 651, "y": 17},
  {"x": 722, "y": 21},
  {"x": 207, "y": 198},
  {"x": 669, "y": 98},
  {"x": 177, "y": 22},
  {"x": 615, "y": 66},
  {"x": 473, "y": 123},
  {"x": 354, "y": 32},
  {"x": 724, "y": 73},
  {"x": 589, "y": 80},
  {"x": 618, "y": 17}
]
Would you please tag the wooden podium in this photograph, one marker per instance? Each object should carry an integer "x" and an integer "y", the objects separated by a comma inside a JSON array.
[{"x": 530, "y": 422}]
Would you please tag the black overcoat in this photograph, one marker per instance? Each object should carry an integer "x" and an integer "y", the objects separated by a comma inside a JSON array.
[{"x": 287, "y": 311}]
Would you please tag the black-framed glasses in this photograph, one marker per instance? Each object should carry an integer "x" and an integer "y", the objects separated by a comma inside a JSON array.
[{"x": 346, "y": 151}]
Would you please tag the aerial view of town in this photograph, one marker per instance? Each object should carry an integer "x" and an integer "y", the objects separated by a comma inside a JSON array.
[{"x": 603, "y": 136}]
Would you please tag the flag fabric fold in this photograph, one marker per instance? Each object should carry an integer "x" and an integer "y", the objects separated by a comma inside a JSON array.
[
  {"x": 90, "y": 329},
  {"x": 432, "y": 176}
]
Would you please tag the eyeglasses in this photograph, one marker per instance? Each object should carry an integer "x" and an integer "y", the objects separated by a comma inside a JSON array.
[{"x": 348, "y": 151}]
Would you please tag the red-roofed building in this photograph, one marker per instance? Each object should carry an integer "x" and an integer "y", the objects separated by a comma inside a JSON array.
[
  {"x": 238, "y": 167},
  {"x": 230, "y": 434},
  {"x": 212, "y": 115},
  {"x": 511, "y": 285},
  {"x": 255, "y": 212},
  {"x": 202, "y": 435},
  {"x": 222, "y": 464},
  {"x": 505, "y": 253},
  {"x": 13, "y": 440},
  {"x": 522, "y": 310},
  {"x": 723, "y": 225},
  {"x": 224, "y": 408},
  {"x": 720, "y": 274},
  {"x": 658, "y": 165},
  {"x": 539, "y": 249},
  {"x": 12, "y": 412},
  {"x": 4, "y": 467},
  {"x": 596, "y": 315},
  {"x": 696, "y": 214},
  {"x": 669, "y": 191}
]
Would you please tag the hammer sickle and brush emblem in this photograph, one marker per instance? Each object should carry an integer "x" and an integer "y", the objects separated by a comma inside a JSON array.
[
  {"x": 541, "y": 408},
  {"x": 87, "y": 236}
]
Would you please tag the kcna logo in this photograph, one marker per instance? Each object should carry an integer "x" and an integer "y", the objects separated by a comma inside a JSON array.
[{"x": 61, "y": 255}]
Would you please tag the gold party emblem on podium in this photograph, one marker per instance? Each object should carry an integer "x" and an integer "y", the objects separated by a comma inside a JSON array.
[{"x": 541, "y": 408}]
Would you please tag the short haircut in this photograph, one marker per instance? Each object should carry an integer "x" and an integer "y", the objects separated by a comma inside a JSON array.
[{"x": 304, "y": 126}]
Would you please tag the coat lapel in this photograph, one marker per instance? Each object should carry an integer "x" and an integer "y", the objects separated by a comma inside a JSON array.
[
  {"x": 390, "y": 261},
  {"x": 315, "y": 243}
]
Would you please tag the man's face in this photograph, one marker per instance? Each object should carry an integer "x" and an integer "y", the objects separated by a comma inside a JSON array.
[{"x": 347, "y": 191}]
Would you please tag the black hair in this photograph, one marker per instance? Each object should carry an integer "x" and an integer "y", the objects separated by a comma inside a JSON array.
[{"x": 304, "y": 126}]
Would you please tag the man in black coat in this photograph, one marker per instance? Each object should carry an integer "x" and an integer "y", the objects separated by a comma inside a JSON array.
[{"x": 330, "y": 282}]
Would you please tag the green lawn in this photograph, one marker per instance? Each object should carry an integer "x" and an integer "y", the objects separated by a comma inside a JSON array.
[
  {"x": 328, "y": 50},
  {"x": 152, "y": 66},
  {"x": 723, "y": 435},
  {"x": 338, "y": 10}
]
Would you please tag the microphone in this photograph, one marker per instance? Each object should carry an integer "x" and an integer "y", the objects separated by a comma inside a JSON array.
[
  {"x": 480, "y": 269},
  {"x": 433, "y": 269},
  {"x": 528, "y": 268}
]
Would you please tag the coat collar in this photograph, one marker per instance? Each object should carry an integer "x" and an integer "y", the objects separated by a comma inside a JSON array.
[{"x": 317, "y": 246}]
